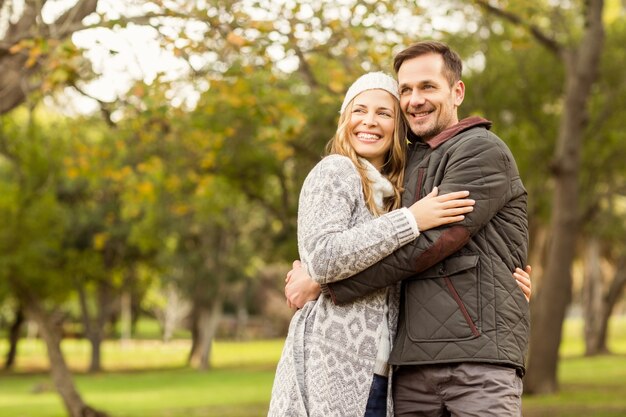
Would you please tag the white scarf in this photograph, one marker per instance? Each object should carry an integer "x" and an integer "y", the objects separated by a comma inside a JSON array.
[{"x": 381, "y": 187}]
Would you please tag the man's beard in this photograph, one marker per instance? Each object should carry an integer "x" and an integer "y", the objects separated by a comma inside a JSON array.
[{"x": 427, "y": 133}]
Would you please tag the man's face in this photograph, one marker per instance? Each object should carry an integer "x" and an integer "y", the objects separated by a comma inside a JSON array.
[{"x": 426, "y": 98}]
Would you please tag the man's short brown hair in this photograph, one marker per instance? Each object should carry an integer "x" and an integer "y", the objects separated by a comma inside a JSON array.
[{"x": 452, "y": 64}]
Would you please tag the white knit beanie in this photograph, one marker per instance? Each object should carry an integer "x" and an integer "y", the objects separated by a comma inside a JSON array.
[{"x": 371, "y": 81}]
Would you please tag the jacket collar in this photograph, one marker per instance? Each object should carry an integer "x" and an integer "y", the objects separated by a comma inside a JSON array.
[{"x": 452, "y": 131}]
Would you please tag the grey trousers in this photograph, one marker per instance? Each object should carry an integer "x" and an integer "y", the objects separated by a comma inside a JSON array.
[{"x": 457, "y": 390}]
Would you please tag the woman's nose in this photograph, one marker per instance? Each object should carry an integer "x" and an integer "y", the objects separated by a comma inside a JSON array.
[{"x": 369, "y": 119}]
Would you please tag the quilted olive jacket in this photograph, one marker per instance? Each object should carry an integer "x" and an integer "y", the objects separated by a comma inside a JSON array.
[{"x": 459, "y": 300}]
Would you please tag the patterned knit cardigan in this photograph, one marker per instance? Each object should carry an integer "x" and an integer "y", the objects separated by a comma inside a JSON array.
[{"x": 326, "y": 367}]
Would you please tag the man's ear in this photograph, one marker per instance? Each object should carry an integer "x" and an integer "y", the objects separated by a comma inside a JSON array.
[{"x": 459, "y": 92}]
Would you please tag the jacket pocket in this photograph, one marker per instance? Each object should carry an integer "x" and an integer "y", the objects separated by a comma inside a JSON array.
[{"x": 443, "y": 303}]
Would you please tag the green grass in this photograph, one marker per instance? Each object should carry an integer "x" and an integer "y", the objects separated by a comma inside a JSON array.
[
  {"x": 143, "y": 394},
  {"x": 145, "y": 354},
  {"x": 590, "y": 387},
  {"x": 149, "y": 379},
  {"x": 146, "y": 379}
]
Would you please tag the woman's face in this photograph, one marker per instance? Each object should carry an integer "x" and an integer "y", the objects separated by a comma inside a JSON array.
[{"x": 372, "y": 123}]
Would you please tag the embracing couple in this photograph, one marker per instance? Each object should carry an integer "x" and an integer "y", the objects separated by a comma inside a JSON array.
[{"x": 410, "y": 296}]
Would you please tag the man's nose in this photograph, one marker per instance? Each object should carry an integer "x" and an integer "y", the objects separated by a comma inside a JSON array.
[{"x": 416, "y": 98}]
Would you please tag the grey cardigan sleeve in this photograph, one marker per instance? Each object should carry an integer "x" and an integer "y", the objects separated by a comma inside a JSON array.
[
  {"x": 331, "y": 246},
  {"x": 480, "y": 166}
]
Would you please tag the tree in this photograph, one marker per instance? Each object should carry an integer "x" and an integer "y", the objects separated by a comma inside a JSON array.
[
  {"x": 580, "y": 56},
  {"x": 602, "y": 185},
  {"x": 31, "y": 232}
]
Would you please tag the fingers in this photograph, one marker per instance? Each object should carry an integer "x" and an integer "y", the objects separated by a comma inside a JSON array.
[
  {"x": 295, "y": 265},
  {"x": 452, "y": 219},
  {"x": 466, "y": 202},
  {"x": 457, "y": 211},
  {"x": 453, "y": 196},
  {"x": 524, "y": 274},
  {"x": 523, "y": 280}
]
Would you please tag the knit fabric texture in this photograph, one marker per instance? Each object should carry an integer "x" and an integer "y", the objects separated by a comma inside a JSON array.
[
  {"x": 327, "y": 364},
  {"x": 371, "y": 81}
]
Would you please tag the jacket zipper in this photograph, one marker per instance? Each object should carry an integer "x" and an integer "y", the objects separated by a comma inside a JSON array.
[{"x": 458, "y": 300}]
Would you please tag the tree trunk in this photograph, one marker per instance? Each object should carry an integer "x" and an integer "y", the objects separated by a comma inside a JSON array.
[
  {"x": 14, "y": 337},
  {"x": 95, "y": 328},
  {"x": 207, "y": 322},
  {"x": 175, "y": 310},
  {"x": 126, "y": 317},
  {"x": 61, "y": 376},
  {"x": 242, "y": 320},
  {"x": 193, "y": 325},
  {"x": 593, "y": 299},
  {"x": 550, "y": 304},
  {"x": 597, "y": 320}
]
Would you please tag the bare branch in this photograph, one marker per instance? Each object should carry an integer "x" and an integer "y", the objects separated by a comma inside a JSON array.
[
  {"x": 77, "y": 13},
  {"x": 26, "y": 23},
  {"x": 547, "y": 41},
  {"x": 304, "y": 67},
  {"x": 78, "y": 26},
  {"x": 105, "y": 107}
]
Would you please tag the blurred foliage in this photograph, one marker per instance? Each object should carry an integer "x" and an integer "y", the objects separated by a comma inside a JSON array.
[{"x": 194, "y": 180}]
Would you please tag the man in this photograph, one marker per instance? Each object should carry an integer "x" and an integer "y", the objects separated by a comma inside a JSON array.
[{"x": 463, "y": 323}]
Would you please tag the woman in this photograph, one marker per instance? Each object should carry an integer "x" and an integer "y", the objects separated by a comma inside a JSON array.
[{"x": 349, "y": 218}]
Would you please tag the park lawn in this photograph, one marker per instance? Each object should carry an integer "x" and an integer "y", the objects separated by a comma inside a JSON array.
[
  {"x": 148, "y": 379},
  {"x": 173, "y": 392},
  {"x": 145, "y": 354}
]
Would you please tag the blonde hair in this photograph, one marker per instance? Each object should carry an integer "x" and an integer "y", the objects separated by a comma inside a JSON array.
[{"x": 393, "y": 168}]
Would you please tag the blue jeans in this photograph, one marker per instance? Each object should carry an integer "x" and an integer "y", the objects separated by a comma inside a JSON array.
[{"x": 377, "y": 402}]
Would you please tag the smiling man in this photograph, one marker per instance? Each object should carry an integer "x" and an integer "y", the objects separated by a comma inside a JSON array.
[{"x": 463, "y": 323}]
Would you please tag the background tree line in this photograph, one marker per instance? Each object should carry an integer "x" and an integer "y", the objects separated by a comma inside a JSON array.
[{"x": 183, "y": 204}]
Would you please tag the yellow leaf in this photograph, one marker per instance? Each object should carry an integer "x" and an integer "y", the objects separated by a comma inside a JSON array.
[
  {"x": 32, "y": 60},
  {"x": 235, "y": 40},
  {"x": 73, "y": 172},
  {"x": 181, "y": 209},
  {"x": 145, "y": 188},
  {"x": 16, "y": 48},
  {"x": 99, "y": 240}
]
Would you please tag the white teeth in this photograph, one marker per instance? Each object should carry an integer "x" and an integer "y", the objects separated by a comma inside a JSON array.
[{"x": 367, "y": 136}]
